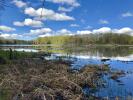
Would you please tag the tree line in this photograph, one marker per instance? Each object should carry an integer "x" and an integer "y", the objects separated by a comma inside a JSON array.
[
  {"x": 107, "y": 38},
  {"x": 13, "y": 41}
]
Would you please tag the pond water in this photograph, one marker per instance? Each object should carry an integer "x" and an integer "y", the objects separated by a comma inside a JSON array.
[{"x": 118, "y": 59}]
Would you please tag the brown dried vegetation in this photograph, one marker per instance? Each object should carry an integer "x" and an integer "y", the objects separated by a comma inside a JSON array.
[{"x": 35, "y": 79}]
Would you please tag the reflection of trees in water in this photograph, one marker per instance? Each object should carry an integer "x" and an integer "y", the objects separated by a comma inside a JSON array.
[
  {"x": 50, "y": 49},
  {"x": 114, "y": 51},
  {"x": 103, "y": 51},
  {"x": 100, "y": 51}
]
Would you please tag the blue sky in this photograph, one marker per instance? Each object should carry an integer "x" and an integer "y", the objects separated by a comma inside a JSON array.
[{"x": 26, "y": 19}]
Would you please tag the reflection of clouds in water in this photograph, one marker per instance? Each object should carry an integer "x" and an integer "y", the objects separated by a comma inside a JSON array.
[
  {"x": 85, "y": 55},
  {"x": 124, "y": 58},
  {"x": 102, "y": 51},
  {"x": 121, "y": 58},
  {"x": 25, "y": 50}
]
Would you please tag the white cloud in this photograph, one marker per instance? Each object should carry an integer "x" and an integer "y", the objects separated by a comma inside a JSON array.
[
  {"x": 102, "y": 30},
  {"x": 45, "y": 35},
  {"x": 31, "y": 11},
  {"x": 17, "y": 23},
  {"x": 64, "y": 32},
  {"x": 46, "y": 32},
  {"x": 84, "y": 32},
  {"x": 47, "y": 14},
  {"x": 40, "y": 31},
  {"x": 10, "y": 36},
  {"x": 43, "y": 32},
  {"x": 5, "y": 35},
  {"x": 127, "y": 14},
  {"x": 101, "y": 21},
  {"x": 70, "y": 33},
  {"x": 126, "y": 30},
  {"x": 74, "y": 25},
  {"x": 29, "y": 22},
  {"x": 19, "y": 3},
  {"x": 73, "y": 3},
  {"x": 63, "y": 9},
  {"x": 6, "y": 28},
  {"x": 32, "y": 34}
]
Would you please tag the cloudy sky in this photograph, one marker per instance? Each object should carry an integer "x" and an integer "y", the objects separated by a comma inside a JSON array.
[{"x": 29, "y": 19}]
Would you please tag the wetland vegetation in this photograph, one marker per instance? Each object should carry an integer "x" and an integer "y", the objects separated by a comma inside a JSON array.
[{"x": 57, "y": 73}]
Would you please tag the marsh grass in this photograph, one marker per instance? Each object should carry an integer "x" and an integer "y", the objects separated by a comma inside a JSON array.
[
  {"x": 16, "y": 54},
  {"x": 36, "y": 79}
]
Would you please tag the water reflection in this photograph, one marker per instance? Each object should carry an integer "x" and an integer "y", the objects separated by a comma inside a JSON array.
[
  {"x": 120, "y": 58},
  {"x": 22, "y": 50},
  {"x": 94, "y": 52},
  {"x": 101, "y": 51}
]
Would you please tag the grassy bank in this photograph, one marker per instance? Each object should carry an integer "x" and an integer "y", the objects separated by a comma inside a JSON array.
[{"x": 8, "y": 55}]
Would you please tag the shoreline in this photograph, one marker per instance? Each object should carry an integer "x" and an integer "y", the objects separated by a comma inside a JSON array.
[
  {"x": 62, "y": 46},
  {"x": 52, "y": 79}
]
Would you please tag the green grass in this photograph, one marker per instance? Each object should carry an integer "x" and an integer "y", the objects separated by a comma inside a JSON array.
[{"x": 15, "y": 54}]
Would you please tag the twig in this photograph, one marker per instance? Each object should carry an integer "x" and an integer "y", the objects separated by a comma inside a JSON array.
[{"x": 42, "y": 8}]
